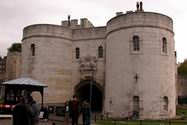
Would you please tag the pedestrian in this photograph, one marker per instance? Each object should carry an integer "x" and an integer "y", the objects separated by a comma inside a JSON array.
[
  {"x": 22, "y": 114},
  {"x": 66, "y": 117},
  {"x": 75, "y": 110},
  {"x": 86, "y": 113},
  {"x": 70, "y": 108},
  {"x": 34, "y": 108}
]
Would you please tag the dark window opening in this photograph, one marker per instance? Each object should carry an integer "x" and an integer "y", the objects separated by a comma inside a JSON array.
[
  {"x": 136, "y": 43},
  {"x": 100, "y": 51},
  {"x": 32, "y": 50},
  {"x": 77, "y": 51},
  {"x": 164, "y": 45},
  {"x": 165, "y": 105}
]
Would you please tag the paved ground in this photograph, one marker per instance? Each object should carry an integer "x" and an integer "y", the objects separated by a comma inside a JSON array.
[
  {"x": 9, "y": 122},
  {"x": 58, "y": 120}
]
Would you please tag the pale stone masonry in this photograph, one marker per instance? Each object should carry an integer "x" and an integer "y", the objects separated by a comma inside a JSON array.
[
  {"x": 182, "y": 86},
  {"x": 13, "y": 65},
  {"x": 2, "y": 73},
  {"x": 3, "y": 65},
  {"x": 10, "y": 68},
  {"x": 130, "y": 63}
]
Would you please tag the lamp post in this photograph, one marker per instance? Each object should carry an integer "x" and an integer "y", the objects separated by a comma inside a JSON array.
[
  {"x": 91, "y": 84},
  {"x": 91, "y": 94},
  {"x": 92, "y": 73},
  {"x": 88, "y": 68}
]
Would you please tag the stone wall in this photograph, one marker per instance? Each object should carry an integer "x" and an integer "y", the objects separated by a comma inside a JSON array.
[
  {"x": 123, "y": 73},
  {"x": 13, "y": 65},
  {"x": 54, "y": 62},
  {"x": 155, "y": 70},
  {"x": 12, "y": 69},
  {"x": 51, "y": 63}
]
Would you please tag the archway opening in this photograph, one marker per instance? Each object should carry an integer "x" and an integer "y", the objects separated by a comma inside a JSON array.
[{"x": 83, "y": 93}]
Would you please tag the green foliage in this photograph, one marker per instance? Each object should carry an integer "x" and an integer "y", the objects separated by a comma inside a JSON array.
[
  {"x": 182, "y": 112},
  {"x": 182, "y": 101},
  {"x": 1, "y": 100},
  {"x": 182, "y": 69},
  {"x": 137, "y": 122},
  {"x": 16, "y": 47}
]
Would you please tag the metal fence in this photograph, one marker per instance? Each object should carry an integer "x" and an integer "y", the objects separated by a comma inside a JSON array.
[
  {"x": 137, "y": 122},
  {"x": 109, "y": 121}
]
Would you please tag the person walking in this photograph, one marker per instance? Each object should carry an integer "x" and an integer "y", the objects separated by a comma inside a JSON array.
[
  {"x": 75, "y": 110},
  {"x": 34, "y": 108},
  {"x": 22, "y": 114},
  {"x": 86, "y": 113},
  {"x": 66, "y": 116}
]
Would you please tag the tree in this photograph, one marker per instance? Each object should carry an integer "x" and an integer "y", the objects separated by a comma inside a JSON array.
[
  {"x": 16, "y": 47},
  {"x": 182, "y": 69}
]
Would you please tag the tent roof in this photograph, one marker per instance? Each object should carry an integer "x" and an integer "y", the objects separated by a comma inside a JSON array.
[{"x": 24, "y": 81}]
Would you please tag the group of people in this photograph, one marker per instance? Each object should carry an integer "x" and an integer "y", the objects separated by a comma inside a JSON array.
[
  {"x": 25, "y": 112},
  {"x": 73, "y": 110}
]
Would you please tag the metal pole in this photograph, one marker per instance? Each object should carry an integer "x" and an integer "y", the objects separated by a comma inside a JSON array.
[
  {"x": 115, "y": 122},
  {"x": 90, "y": 101},
  {"x": 90, "y": 93}
]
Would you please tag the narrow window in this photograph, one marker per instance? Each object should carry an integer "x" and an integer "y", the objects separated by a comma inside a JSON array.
[
  {"x": 136, "y": 106},
  {"x": 136, "y": 43},
  {"x": 164, "y": 45},
  {"x": 135, "y": 103},
  {"x": 165, "y": 105},
  {"x": 32, "y": 49},
  {"x": 77, "y": 51},
  {"x": 100, "y": 51}
]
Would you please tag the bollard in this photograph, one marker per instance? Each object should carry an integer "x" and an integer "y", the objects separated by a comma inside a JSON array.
[
  {"x": 115, "y": 122},
  {"x": 53, "y": 123},
  {"x": 95, "y": 118},
  {"x": 107, "y": 114},
  {"x": 170, "y": 122},
  {"x": 140, "y": 122},
  {"x": 101, "y": 116}
]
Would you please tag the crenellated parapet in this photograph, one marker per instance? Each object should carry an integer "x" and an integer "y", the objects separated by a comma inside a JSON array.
[{"x": 73, "y": 24}]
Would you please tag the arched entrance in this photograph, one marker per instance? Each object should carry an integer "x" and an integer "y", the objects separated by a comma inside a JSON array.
[{"x": 82, "y": 90}]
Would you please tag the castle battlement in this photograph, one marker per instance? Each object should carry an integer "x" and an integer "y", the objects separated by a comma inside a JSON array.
[
  {"x": 134, "y": 69},
  {"x": 73, "y": 24}
]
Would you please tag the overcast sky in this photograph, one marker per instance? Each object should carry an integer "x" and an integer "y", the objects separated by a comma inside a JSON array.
[{"x": 16, "y": 14}]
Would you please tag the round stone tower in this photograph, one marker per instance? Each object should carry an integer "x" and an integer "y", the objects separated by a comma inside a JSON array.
[
  {"x": 46, "y": 56},
  {"x": 140, "y": 66}
]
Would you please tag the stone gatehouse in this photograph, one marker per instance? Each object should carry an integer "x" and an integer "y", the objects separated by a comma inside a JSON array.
[{"x": 128, "y": 64}]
